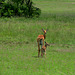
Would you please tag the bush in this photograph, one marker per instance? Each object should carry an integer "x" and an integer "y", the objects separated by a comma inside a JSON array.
[
  {"x": 7, "y": 10},
  {"x": 14, "y": 9},
  {"x": 36, "y": 12}
]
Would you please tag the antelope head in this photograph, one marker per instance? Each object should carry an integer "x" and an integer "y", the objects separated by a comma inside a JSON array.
[
  {"x": 44, "y": 31},
  {"x": 46, "y": 44}
]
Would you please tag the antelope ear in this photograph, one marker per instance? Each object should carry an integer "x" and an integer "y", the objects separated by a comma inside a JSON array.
[
  {"x": 46, "y": 29},
  {"x": 43, "y": 30}
]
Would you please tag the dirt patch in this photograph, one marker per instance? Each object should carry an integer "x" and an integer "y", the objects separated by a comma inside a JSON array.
[
  {"x": 63, "y": 48},
  {"x": 62, "y": 45},
  {"x": 69, "y": 3},
  {"x": 11, "y": 43},
  {"x": 66, "y": 50}
]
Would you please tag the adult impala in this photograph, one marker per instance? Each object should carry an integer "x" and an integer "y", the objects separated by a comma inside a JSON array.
[{"x": 40, "y": 40}]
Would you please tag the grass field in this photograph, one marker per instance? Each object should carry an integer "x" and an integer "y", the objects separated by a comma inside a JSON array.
[{"x": 18, "y": 45}]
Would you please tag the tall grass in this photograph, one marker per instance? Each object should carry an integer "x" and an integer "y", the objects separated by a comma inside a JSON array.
[{"x": 60, "y": 29}]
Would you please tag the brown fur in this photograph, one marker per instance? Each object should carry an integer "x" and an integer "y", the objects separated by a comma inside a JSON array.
[
  {"x": 43, "y": 49},
  {"x": 41, "y": 37}
]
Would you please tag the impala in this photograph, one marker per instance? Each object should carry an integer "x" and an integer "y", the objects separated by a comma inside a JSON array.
[
  {"x": 43, "y": 49},
  {"x": 40, "y": 40}
]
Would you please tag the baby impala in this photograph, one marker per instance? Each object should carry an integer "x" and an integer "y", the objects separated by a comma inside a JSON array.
[{"x": 43, "y": 49}]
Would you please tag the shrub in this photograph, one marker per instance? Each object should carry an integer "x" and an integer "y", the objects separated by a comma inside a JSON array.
[
  {"x": 7, "y": 10},
  {"x": 13, "y": 8},
  {"x": 36, "y": 12}
]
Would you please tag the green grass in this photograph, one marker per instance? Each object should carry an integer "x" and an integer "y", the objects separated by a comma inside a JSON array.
[{"x": 18, "y": 46}]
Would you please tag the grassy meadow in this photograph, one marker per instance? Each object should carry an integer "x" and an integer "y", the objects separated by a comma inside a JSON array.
[{"x": 18, "y": 45}]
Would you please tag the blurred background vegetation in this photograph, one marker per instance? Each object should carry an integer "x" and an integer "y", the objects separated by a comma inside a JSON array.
[{"x": 25, "y": 8}]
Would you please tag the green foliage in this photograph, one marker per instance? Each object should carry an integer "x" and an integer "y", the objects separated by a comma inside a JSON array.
[
  {"x": 2, "y": 0},
  {"x": 7, "y": 10},
  {"x": 36, "y": 12},
  {"x": 19, "y": 8}
]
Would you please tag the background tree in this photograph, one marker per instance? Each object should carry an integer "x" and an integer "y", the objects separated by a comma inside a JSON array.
[{"x": 19, "y": 8}]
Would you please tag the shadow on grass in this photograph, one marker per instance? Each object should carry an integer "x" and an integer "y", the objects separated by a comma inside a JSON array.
[{"x": 35, "y": 56}]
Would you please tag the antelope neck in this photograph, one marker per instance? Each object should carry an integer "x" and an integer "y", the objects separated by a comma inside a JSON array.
[{"x": 44, "y": 36}]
